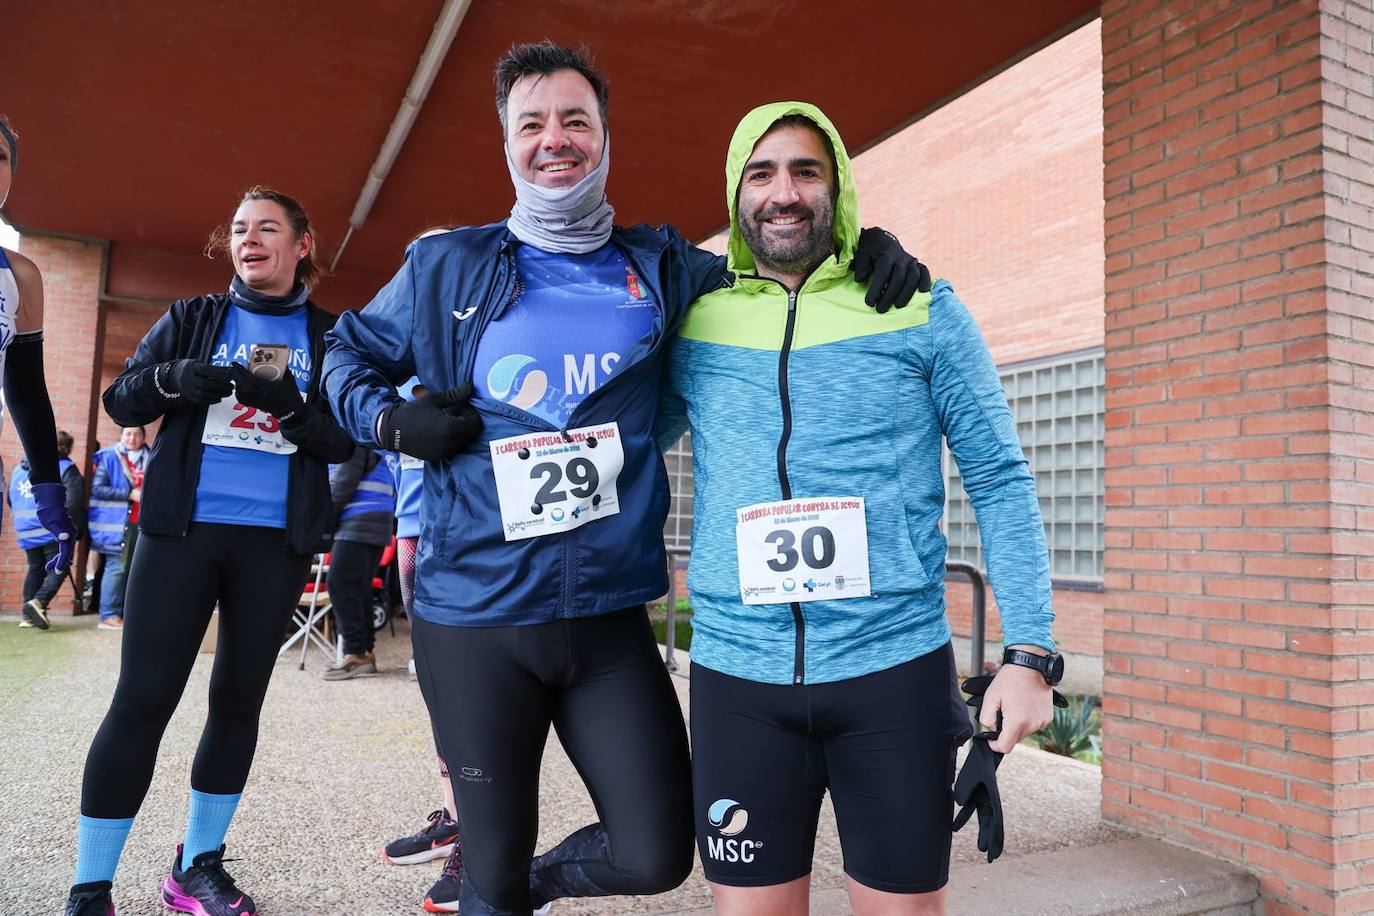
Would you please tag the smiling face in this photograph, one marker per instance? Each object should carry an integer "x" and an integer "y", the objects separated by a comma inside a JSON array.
[
  {"x": 264, "y": 248},
  {"x": 786, "y": 206},
  {"x": 553, "y": 128}
]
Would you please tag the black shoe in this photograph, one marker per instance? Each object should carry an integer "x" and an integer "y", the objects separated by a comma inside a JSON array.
[
  {"x": 433, "y": 841},
  {"x": 443, "y": 896},
  {"x": 90, "y": 899},
  {"x": 205, "y": 889}
]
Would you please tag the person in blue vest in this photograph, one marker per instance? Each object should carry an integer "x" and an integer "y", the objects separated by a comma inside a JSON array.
[
  {"x": 235, "y": 502},
  {"x": 25, "y": 387},
  {"x": 365, "y": 503},
  {"x": 116, "y": 488},
  {"x": 39, "y": 544}
]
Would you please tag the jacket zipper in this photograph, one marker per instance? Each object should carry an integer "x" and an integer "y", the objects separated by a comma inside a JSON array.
[{"x": 785, "y": 399}]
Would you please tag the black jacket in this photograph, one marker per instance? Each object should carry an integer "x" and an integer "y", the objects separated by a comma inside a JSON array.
[{"x": 188, "y": 331}]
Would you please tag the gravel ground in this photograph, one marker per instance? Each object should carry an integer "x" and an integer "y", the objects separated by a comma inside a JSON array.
[{"x": 341, "y": 769}]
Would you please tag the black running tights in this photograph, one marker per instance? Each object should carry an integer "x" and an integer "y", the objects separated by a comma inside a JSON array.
[
  {"x": 173, "y": 586},
  {"x": 492, "y": 694}
]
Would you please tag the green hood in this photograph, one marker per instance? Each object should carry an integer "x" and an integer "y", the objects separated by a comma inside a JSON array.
[{"x": 754, "y": 125}]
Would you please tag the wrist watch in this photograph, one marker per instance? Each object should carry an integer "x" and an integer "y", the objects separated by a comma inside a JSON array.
[{"x": 1051, "y": 666}]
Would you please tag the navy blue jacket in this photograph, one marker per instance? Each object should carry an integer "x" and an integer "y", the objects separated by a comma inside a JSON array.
[
  {"x": 188, "y": 331},
  {"x": 427, "y": 322}
]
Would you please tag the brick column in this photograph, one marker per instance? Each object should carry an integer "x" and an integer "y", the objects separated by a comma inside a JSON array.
[
  {"x": 1240, "y": 433},
  {"x": 71, "y": 289}
]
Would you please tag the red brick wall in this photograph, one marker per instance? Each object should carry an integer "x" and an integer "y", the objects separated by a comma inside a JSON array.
[
  {"x": 1239, "y": 350},
  {"x": 71, "y": 286},
  {"x": 1348, "y": 162},
  {"x": 1000, "y": 192}
]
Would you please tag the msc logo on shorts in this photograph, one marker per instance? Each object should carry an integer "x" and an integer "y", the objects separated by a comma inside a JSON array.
[{"x": 729, "y": 818}]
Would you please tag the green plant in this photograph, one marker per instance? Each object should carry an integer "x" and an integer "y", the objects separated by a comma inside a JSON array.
[
  {"x": 1072, "y": 730},
  {"x": 683, "y": 625}
]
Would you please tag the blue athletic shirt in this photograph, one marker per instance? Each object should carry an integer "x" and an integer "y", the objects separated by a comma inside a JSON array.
[
  {"x": 573, "y": 317},
  {"x": 408, "y": 479},
  {"x": 240, "y": 486}
]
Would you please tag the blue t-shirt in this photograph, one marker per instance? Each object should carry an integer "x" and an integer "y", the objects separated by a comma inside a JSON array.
[
  {"x": 573, "y": 318},
  {"x": 241, "y": 486}
]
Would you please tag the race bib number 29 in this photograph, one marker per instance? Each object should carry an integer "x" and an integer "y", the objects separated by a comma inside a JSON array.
[
  {"x": 811, "y": 549},
  {"x": 552, "y": 482}
]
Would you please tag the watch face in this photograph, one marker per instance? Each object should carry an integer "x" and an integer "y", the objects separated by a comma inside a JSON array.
[{"x": 1056, "y": 669}]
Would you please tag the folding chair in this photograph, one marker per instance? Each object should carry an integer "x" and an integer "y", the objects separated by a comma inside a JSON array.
[
  {"x": 312, "y": 607},
  {"x": 381, "y": 584}
]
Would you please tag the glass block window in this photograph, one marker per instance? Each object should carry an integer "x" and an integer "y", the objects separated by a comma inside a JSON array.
[
  {"x": 677, "y": 531},
  {"x": 1058, "y": 405}
]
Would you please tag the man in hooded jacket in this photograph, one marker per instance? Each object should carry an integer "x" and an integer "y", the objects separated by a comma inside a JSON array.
[{"x": 821, "y": 657}]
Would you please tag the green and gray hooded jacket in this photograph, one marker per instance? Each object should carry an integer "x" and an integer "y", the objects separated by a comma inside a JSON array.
[{"x": 815, "y": 394}]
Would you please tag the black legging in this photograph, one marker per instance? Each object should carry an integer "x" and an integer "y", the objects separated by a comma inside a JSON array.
[
  {"x": 352, "y": 566},
  {"x": 493, "y": 692},
  {"x": 38, "y": 582},
  {"x": 172, "y": 588}
]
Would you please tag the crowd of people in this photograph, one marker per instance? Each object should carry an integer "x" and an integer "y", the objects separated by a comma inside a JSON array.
[
  {"x": 527, "y": 500},
  {"x": 108, "y": 518}
]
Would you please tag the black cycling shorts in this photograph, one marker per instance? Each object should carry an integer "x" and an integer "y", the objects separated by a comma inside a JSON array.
[{"x": 763, "y": 756}]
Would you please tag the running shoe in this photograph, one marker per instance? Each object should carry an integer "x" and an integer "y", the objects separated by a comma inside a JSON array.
[
  {"x": 35, "y": 614},
  {"x": 90, "y": 899},
  {"x": 443, "y": 896},
  {"x": 432, "y": 842},
  {"x": 205, "y": 889},
  {"x": 114, "y": 623},
  {"x": 352, "y": 666}
]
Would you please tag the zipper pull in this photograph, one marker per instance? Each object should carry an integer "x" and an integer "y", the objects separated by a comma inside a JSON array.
[{"x": 791, "y": 301}]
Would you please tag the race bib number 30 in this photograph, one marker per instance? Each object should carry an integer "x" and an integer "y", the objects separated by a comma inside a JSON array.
[
  {"x": 547, "y": 483},
  {"x": 234, "y": 425},
  {"x": 813, "y": 549}
]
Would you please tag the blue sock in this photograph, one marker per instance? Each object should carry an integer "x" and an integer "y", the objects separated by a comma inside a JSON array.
[
  {"x": 207, "y": 824},
  {"x": 99, "y": 841}
]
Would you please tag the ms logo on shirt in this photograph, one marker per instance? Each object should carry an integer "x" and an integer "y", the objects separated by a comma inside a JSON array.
[{"x": 522, "y": 381}]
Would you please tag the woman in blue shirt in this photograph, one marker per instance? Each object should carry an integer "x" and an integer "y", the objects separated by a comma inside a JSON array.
[{"x": 235, "y": 500}]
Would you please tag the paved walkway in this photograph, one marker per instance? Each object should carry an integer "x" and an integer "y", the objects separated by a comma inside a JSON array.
[{"x": 341, "y": 769}]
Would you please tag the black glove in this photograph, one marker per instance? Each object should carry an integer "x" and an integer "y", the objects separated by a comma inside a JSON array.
[
  {"x": 281, "y": 398},
  {"x": 976, "y": 787},
  {"x": 892, "y": 275},
  {"x": 976, "y": 790},
  {"x": 197, "y": 382},
  {"x": 431, "y": 427}
]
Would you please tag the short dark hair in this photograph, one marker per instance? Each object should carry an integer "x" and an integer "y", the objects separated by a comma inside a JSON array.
[
  {"x": 13, "y": 138},
  {"x": 64, "y": 443},
  {"x": 541, "y": 59}
]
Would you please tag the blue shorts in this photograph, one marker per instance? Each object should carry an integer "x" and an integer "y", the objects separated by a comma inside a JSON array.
[{"x": 764, "y": 755}]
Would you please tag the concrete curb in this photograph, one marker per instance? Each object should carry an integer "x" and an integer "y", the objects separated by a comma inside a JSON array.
[{"x": 1136, "y": 876}]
